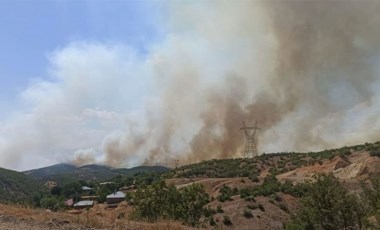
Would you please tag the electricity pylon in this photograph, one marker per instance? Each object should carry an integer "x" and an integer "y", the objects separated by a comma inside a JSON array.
[
  {"x": 176, "y": 163},
  {"x": 250, "y": 140}
]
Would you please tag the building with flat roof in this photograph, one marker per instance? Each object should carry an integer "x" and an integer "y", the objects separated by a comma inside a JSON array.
[
  {"x": 84, "y": 204},
  {"x": 115, "y": 197}
]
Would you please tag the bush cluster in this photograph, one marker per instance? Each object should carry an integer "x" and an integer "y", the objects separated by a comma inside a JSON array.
[
  {"x": 328, "y": 205},
  {"x": 161, "y": 201}
]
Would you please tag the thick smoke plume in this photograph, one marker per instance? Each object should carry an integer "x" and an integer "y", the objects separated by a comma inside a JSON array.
[
  {"x": 306, "y": 71},
  {"x": 303, "y": 69}
]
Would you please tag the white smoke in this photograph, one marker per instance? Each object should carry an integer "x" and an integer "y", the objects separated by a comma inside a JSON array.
[{"x": 306, "y": 74}]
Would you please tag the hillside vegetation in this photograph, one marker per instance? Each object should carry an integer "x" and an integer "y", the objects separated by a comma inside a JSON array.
[
  {"x": 16, "y": 187},
  {"x": 66, "y": 173},
  {"x": 279, "y": 162},
  {"x": 272, "y": 191}
]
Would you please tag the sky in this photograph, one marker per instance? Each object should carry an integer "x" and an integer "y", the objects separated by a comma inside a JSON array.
[
  {"x": 33, "y": 30},
  {"x": 127, "y": 83}
]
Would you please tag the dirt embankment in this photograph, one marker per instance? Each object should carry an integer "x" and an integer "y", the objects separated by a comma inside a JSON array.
[
  {"x": 212, "y": 185},
  {"x": 357, "y": 166}
]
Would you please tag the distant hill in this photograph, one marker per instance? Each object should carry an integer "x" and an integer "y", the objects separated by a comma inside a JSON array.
[
  {"x": 51, "y": 170},
  {"x": 17, "y": 187},
  {"x": 65, "y": 173}
]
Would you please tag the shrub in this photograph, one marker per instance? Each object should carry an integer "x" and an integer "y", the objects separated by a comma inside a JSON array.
[
  {"x": 328, "y": 205},
  {"x": 254, "y": 178},
  {"x": 51, "y": 203},
  {"x": 159, "y": 201},
  {"x": 219, "y": 209},
  {"x": 261, "y": 207},
  {"x": 209, "y": 212},
  {"x": 225, "y": 194},
  {"x": 252, "y": 206},
  {"x": 212, "y": 221},
  {"x": 372, "y": 197},
  {"x": 277, "y": 198},
  {"x": 283, "y": 207},
  {"x": 226, "y": 220},
  {"x": 375, "y": 153},
  {"x": 250, "y": 198},
  {"x": 244, "y": 192},
  {"x": 247, "y": 213}
]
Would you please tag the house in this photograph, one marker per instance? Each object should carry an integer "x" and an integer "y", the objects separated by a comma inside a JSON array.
[
  {"x": 106, "y": 183},
  {"x": 84, "y": 204},
  {"x": 86, "y": 189},
  {"x": 115, "y": 197}
]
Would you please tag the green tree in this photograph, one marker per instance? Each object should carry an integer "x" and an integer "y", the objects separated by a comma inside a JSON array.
[
  {"x": 51, "y": 203},
  {"x": 161, "y": 201},
  {"x": 56, "y": 191},
  {"x": 194, "y": 199},
  {"x": 152, "y": 202},
  {"x": 71, "y": 189},
  {"x": 104, "y": 191},
  {"x": 327, "y": 205}
]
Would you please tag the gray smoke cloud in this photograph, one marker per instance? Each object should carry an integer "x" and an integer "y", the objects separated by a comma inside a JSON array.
[
  {"x": 303, "y": 69},
  {"x": 306, "y": 71}
]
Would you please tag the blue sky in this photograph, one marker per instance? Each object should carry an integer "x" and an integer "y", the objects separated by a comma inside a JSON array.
[{"x": 31, "y": 30}]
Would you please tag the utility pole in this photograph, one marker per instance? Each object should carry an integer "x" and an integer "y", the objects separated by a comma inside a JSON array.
[{"x": 250, "y": 140}]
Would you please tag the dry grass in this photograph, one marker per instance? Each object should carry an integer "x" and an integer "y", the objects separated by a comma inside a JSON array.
[{"x": 99, "y": 217}]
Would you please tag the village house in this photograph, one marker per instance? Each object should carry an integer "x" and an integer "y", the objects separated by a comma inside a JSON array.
[
  {"x": 86, "y": 189},
  {"x": 115, "y": 197},
  {"x": 84, "y": 204}
]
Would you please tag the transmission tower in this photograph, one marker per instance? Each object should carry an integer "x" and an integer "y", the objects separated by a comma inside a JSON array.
[
  {"x": 176, "y": 163},
  {"x": 250, "y": 140}
]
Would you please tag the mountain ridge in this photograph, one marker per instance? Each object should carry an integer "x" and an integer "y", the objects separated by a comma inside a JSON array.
[{"x": 64, "y": 173}]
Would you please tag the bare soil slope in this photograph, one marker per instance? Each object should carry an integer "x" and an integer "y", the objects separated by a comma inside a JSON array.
[{"x": 357, "y": 166}]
